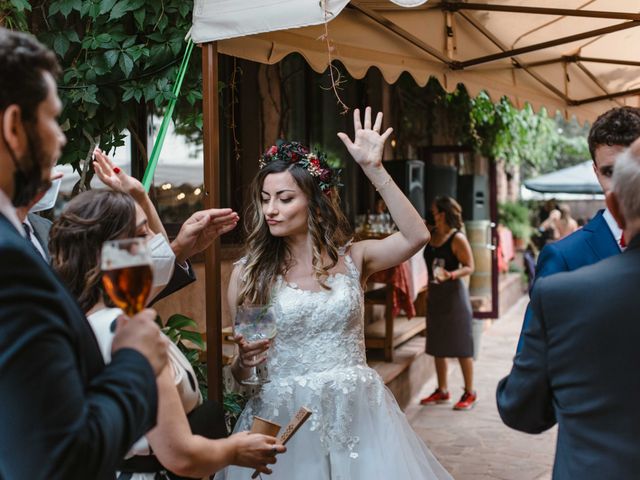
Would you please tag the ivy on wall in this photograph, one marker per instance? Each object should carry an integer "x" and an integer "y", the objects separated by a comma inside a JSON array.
[{"x": 120, "y": 58}]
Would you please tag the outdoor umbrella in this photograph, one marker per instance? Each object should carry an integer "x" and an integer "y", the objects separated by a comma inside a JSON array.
[{"x": 576, "y": 179}]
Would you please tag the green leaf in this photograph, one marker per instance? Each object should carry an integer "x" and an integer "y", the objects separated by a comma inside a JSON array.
[
  {"x": 106, "y": 5},
  {"x": 126, "y": 64},
  {"x": 139, "y": 16},
  {"x": 181, "y": 321},
  {"x": 72, "y": 35},
  {"x": 129, "y": 42},
  {"x": 20, "y": 5},
  {"x": 193, "y": 337},
  {"x": 61, "y": 45},
  {"x": 111, "y": 57},
  {"x": 120, "y": 9}
]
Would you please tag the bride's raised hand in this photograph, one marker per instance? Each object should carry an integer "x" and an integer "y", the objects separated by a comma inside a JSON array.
[{"x": 368, "y": 144}]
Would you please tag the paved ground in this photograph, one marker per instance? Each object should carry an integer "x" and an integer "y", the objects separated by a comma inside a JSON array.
[{"x": 476, "y": 445}]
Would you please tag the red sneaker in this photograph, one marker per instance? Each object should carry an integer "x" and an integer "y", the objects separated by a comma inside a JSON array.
[
  {"x": 438, "y": 396},
  {"x": 467, "y": 401}
]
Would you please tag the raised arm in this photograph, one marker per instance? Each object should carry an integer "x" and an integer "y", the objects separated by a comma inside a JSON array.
[
  {"x": 116, "y": 179},
  {"x": 366, "y": 149}
]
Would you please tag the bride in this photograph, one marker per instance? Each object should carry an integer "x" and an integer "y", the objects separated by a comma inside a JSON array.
[{"x": 300, "y": 260}]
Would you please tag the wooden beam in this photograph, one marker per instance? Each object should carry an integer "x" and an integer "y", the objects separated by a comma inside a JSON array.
[
  {"x": 562, "y": 12},
  {"x": 610, "y": 61},
  {"x": 484, "y": 31},
  {"x": 402, "y": 33},
  {"x": 609, "y": 96},
  {"x": 551, "y": 43},
  {"x": 211, "y": 150}
]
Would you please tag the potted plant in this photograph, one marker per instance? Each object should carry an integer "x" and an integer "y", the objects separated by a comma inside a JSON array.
[{"x": 515, "y": 216}]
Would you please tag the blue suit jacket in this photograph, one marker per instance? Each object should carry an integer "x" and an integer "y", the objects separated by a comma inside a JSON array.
[
  {"x": 63, "y": 414},
  {"x": 586, "y": 246},
  {"x": 576, "y": 366}
]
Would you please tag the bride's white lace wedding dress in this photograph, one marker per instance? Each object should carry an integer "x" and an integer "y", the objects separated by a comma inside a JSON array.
[{"x": 356, "y": 431}]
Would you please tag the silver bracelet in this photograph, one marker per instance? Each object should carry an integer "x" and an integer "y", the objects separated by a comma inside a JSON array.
[{"x": 383, "y": 184}]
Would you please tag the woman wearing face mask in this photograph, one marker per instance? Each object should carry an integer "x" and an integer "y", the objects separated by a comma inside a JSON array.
[
  {"x": 77, "y": 236},
  {"x": 196, "y": 234},
  {"x": 299, "y": 258}
]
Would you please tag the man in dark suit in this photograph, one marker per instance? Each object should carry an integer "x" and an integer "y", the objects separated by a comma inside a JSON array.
[
  {"x": 611, "y": 133},
  {"x": 63, "y": 414},
  {"x": 577, "y": 348}
]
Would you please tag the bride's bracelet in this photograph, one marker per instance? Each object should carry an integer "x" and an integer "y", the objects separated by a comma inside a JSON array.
[{"x": 383, "y": 184}]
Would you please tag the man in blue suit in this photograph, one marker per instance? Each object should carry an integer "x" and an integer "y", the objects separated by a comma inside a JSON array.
[
  {"x": 611, "y": 133},
  {"x": 582, "y": 335},
  {"x": 63, "y": 413}
]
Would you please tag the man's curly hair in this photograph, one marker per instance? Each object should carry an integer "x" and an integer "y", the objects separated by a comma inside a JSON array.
[{"x": 618, "y": 126}]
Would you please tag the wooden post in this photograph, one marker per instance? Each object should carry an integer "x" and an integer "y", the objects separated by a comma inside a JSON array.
[{"x": 211, "y": 142}]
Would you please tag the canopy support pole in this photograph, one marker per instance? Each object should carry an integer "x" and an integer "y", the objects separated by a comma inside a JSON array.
[
  {"x": 484, "y": 31},
  {"x": 211, "y": 147},
  {"x": 541, "y": 46},
  {"x": 402, "y": 33},
  {"x": 563, "y": 12}
]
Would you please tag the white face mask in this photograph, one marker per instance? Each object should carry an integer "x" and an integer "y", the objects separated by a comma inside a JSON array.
[
  {"x": 49, "y": 199},
  {"x": 164, "y": 261}
]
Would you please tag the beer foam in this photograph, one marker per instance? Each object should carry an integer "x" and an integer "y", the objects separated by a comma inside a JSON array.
[{"x": 114, "y": 258}]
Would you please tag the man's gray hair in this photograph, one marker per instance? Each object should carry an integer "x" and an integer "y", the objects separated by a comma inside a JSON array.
[{"x": 626, "y": 183}]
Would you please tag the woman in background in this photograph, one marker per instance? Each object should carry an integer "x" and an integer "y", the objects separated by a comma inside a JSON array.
[{"x": 449, "y": 313}]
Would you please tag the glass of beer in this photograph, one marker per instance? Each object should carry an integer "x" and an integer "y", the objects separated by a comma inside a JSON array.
[
  {"x": 126, "y": 273},
  {"x": 256, "y": 322}
]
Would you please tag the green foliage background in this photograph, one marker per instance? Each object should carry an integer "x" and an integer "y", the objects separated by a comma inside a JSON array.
[
  {"x": 534, "y": 140},
  {"x": 120, "y": 58}
]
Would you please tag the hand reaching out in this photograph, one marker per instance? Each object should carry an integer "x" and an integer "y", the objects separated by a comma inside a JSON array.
[
  {"x": 201, "y": 229},
  {"x": 368, "y": 144},
  {"x": 116, "y": 179}
]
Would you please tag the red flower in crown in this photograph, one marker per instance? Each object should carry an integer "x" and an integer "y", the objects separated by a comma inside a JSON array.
[{"x": 272, "y": 151}]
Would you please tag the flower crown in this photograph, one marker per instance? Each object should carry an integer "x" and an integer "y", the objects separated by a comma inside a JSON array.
[{"x": 314, "y": 163}]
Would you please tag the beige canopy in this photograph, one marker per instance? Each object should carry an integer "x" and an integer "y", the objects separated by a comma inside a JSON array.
[{"x": 578, "y": 56}]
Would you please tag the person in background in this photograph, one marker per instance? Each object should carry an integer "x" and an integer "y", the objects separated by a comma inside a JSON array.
[
  {"x": 63, "y": 413},
  {"x": 577, "y": 349},
  {"x": 560, "y": 222},
  {"x": 449, "y": 314},
  {"x": 610, "y": 135},
  {"x": 171, "y": 448}
]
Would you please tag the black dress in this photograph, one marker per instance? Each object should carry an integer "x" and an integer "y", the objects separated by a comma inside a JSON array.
[{"x": 448, "y": 307}]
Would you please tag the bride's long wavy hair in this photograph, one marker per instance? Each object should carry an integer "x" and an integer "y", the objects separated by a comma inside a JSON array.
[{"x": 268, "y": 256}]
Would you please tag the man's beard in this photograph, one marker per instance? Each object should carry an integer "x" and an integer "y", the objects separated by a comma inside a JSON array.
[{"x": 27, "y": 178}]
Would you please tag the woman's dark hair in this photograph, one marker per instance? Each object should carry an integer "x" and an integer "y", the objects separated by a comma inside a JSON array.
[
  {"x": 76, "y": 239},
  {"x": 268, "y": 256},
  {"x": 618, "y": 126},
  {"x": 451, "y": 209},
  {"x": 23, "y": 58}
]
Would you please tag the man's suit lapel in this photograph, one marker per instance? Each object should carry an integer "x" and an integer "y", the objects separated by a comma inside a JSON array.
[
  {"x": 41, "y": 228},
  {"x": 601, "y": 239}
]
